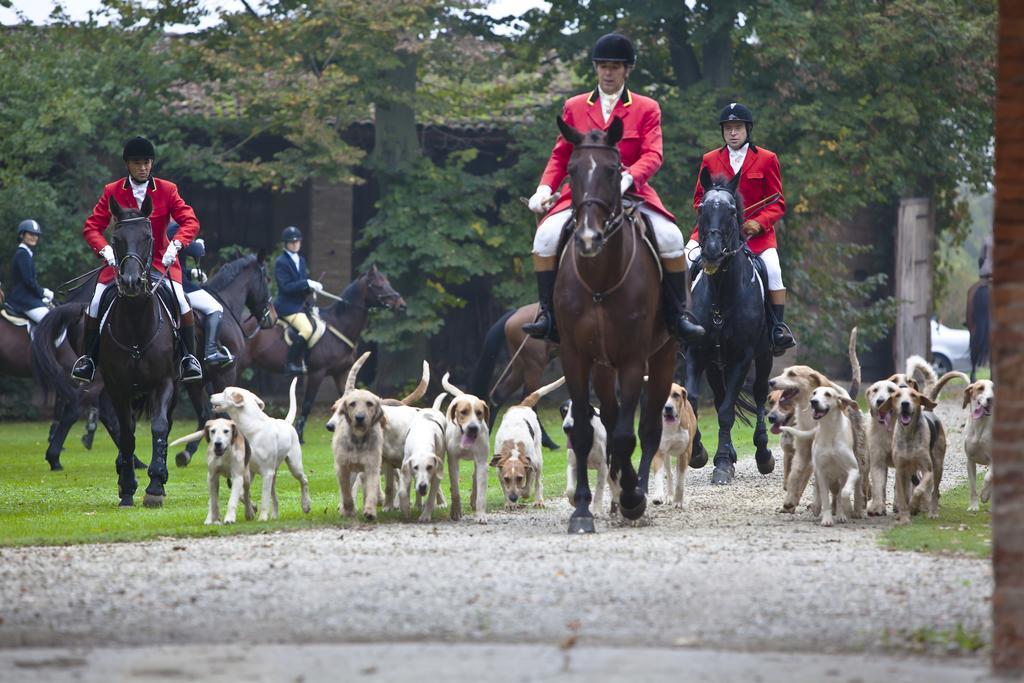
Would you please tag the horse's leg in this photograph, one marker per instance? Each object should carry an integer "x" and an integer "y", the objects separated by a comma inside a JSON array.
[
  {"x": 91, "y": 421},
  {"x": 313, "y": 382},
  {"x": 577, "y": 377},
  {"x": 694, "y": 372},
  {"x": 622, "y": 441},
  {"x": 59, "y": 432},
  {"x": 660, "y": 369},
  {"x": 201, "y": 406},
  {"x": 763, "y": 454},
  {"x": 163, "y": 404},
  {"x": 725, "y": 455},
  {"x": 126, "y": 483}
]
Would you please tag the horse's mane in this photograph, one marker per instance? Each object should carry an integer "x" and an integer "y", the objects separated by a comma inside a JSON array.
[
  {"x": 228, "y": 272},
  {"x": 719, "y": 182},
  {"x": 347, "y": 294}
]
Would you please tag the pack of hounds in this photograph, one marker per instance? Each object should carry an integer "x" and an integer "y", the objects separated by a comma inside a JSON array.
[{"x": 390, "y": 442}]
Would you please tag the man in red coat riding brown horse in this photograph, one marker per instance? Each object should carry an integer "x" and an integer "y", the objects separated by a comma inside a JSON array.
[
  {"x": 761, "y": 189},
  {"x": 131, "y": 191},
  {"x": 614, "y": 57}
]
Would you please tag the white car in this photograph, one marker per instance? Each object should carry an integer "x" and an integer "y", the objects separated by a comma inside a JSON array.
[{"x": 951, "y": 349}]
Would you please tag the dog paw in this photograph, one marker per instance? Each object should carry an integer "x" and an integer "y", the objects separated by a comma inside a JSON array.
[
  {"x": 682, "y": 506},
  {"x": 841, "y": 519},
  {"x": 786, "y": 510},
  {"x": 903, "y": 520},
  {"x": 826, "y": 522},
  {"x": 210, "y": 521},
  {"x": 973, "y": 507},
  {"x": 933, "y": 515},
  {"x": 482, "y": 519},
  {"x": 539, "y": 504},
  {"x": 369, "y": 516},
  {"x": 229, "y": 520},
  {"x": 455, "y": 514}
]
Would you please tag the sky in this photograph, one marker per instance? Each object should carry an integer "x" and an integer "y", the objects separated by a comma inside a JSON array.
[{"x": 39, "y": 10}]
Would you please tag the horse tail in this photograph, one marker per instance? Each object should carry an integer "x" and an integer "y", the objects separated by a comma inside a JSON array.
[
  {"x": 292, "y": 404},
  {"x": 493, "y": 341},
  {"x": 421, "y": 388},
  {"x": 918, "y": 365},
  {"x": 531, "y": 400},
  {"x": 952, "y": 374},
  {"x": 48, "y": 371},
  {"x": 854, "y": 365},
  {"x": 982, "y": 321}
]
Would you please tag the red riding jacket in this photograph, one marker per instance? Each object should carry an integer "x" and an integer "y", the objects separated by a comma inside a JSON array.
[
  {"x": 760, "y": 177},
  {"x": 640, "y": 146},
  {"x": 167, "y": 204}
]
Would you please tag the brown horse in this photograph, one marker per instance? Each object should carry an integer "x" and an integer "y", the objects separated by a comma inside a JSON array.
[
  {"x": 528, "y": 357},
  {"x": 608, "y": 297},
  {"x": 334, "y": 354}
]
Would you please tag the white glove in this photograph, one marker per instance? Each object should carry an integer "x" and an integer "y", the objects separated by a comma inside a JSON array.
[
  {"x": 539, "y": 201},
  {"x": 107, "y": 253},
  {"x": 170, "y": 253},
  {"x": 315, "y": 286},
  {"x": 47, "y": 295},
  {"x": 198, "y": 275},
  {"x": 626, "y": 183}
]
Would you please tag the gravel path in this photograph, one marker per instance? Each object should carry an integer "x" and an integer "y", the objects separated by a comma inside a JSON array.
[{"x": 728, "y": 572}]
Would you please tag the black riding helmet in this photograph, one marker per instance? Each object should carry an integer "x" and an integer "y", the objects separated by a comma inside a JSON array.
[
  {"x": 138, "y": 148},
  {"x": 30, "y": 226},
  {"x": 290, "y": 234},
  {"x": 614, "y": 47},
  {"x": 737, "y": 112}
]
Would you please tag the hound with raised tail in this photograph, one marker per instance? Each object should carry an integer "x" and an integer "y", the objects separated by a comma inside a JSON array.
[
  {"x": 596, "y": 460},
  {"x": 226, "y": 456},
  {"x": 979, "y": 397},
  {"x": 918, "y": 447},
  {"x": 467, "y": 437},
  {"x": 423, "y": 462},
  {"x": 517, "y": 450},
  {"x": 271, "y": 442}
]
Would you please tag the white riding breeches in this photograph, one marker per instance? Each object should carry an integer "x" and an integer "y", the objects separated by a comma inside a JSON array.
[
  {"x": 204, "y": 302},
  {"x": 179, "y": 294},
  {"x": 37, "y": 314},
  {"x": 769, "y": 256},
  {"x": 670, "y": 238}
]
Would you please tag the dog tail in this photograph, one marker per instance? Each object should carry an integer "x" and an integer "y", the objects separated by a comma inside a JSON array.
[
  {"x": 194, "y": 436},
  {"x": 854, "y": 365},
  {"x": 454, "y": 390},
  {"x": 933, "y": 394},
  {"x": 917, "y": 364},
  {"x": 439, "y": 401},
  {"x": 531, "y": 400},
  {"x": 421, "y": 388},
  {"x": 350, "y": 382},
  {"x": 292, "y": 404}
]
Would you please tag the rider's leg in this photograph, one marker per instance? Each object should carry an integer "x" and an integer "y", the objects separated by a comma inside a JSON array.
[
  {"x": 298, "y": 351},
  {"x": 205, "y": 303},
  {"x": 545, "y": 261},
  {"x": 191, "y": 370},
  {"x": 36, "y": 315},
  {"x": 85, "y": 367},
  {"x": 680, "y": 322},
  {"x": 782, "y": 336}
]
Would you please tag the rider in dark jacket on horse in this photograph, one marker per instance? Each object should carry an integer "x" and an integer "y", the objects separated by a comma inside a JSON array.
[
  {"x": 614, "y": 57},
  {"x": 199, "y": 299},
  {"x": 293, "y": 288},
  {"x": 132, "y": 191},
  {"x": 760, "y": 179},
  {"x": 25, "y": 296}
]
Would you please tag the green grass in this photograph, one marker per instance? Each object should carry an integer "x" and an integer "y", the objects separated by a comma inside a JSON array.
[
  {"x": 79, "y": 504},
  {"x": 956, "y": 531}
]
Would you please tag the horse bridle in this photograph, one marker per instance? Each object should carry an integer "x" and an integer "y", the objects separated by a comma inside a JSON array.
[
  {"x": 144, "y": 265},
  {"x": 615, "y": 219},
  {"x": 726, "y": 253}
]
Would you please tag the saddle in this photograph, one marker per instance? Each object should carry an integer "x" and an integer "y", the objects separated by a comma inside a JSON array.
[
  {"x": 630, "y": 207},
  {"x": 14, "y": 317},
  {"x": 164, "y": 294},
  {"x": 290, "y": 333}
]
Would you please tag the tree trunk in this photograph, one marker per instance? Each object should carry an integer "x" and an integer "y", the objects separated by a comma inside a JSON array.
[
  {"x": 684, "y": 58},
  {"x": 717, "y": 53},
  {"x": 394, "y": 139}
]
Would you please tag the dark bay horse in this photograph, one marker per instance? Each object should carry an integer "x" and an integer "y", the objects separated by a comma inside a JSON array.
[
  {"x": 525, "y": 372},
  {"x": 728, "y": 300},
  {"x": 979, "y": 322},
  {"x": 608, "y": 299},
  {"x": 238, "y": 284},
  {"x": 334, "y": 354}
]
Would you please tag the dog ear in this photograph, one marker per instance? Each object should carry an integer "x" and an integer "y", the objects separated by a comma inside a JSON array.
[
  {"x": 926, "y": 403},
  {"x": 819, "y": 379},
  {"x": 496, "y": 460},
  {"x": 206, "y": 428},
  {"x": 967, "y": 395},
  {"x": 912, "y": 383},
  {"x": 849, "y": 403},
  {"x": 259, "y": 402},
  {"x": 487, "y": 412},
  {"x": 380, "y": 417},
  {"x": 450, "y": 413},
  {"x": 887, "y": 405},
  {"x": 237, "y": 398}
]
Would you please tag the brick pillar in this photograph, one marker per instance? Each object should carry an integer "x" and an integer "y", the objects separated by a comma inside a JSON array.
[
  {"x": 330, "y": 234},
  {"x": 1008, "y": 348}
]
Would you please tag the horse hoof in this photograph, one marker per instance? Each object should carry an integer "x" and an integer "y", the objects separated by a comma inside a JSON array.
[
  {"x": 699, "y": 458},
  {"x": 723, "y": 474},
  {"x": 182, "y": 459},
  {"x": 55, "y": 465},
  {"x": 766, "y": 465},
  {"x": 151, "y": 501},
  {"x": 636, "y": 512},
  {"x": 126, "y": 502},
  {"x": 87, "y": 440},
  {"x": 581, "y": 525},
  {"x": 139, "y": 465}
]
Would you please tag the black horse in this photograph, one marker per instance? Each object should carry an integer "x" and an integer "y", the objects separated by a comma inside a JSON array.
[
  {"x": 979, "y": 321},
  {"x": 239, "y": 284},
  {"x": 728, "y": 300}
]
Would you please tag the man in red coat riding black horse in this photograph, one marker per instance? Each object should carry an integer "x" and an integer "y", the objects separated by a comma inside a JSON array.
[
  {"x": 640, "y": 148},
  {"x": 130, "y": 192},
  {"x": 760, "y": 181}
]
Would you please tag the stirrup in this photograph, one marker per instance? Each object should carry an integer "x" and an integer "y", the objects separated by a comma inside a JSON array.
[
  {"x": 687, "y": 329},
  {"x": 292, "y": 369},
  {"x": 225, "y": 357},
  {"x": 190, "y": 369},
  {"x": 539, "y": 329},
  {"x": 788, "y": 340},
  {"x": 84, "y": 370}
]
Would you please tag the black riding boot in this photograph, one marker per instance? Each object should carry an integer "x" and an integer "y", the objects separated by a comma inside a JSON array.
[
  {"x": 213, "y": 354},
  {"x": 544, "y": 326},
  {"x": 296, "y": 357},
  {"x": 782, "y": 336},
  {"x": 681, "y": 323},
  {"x": 85, "y": 367},
  {"x": 191, "y": 370}
]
